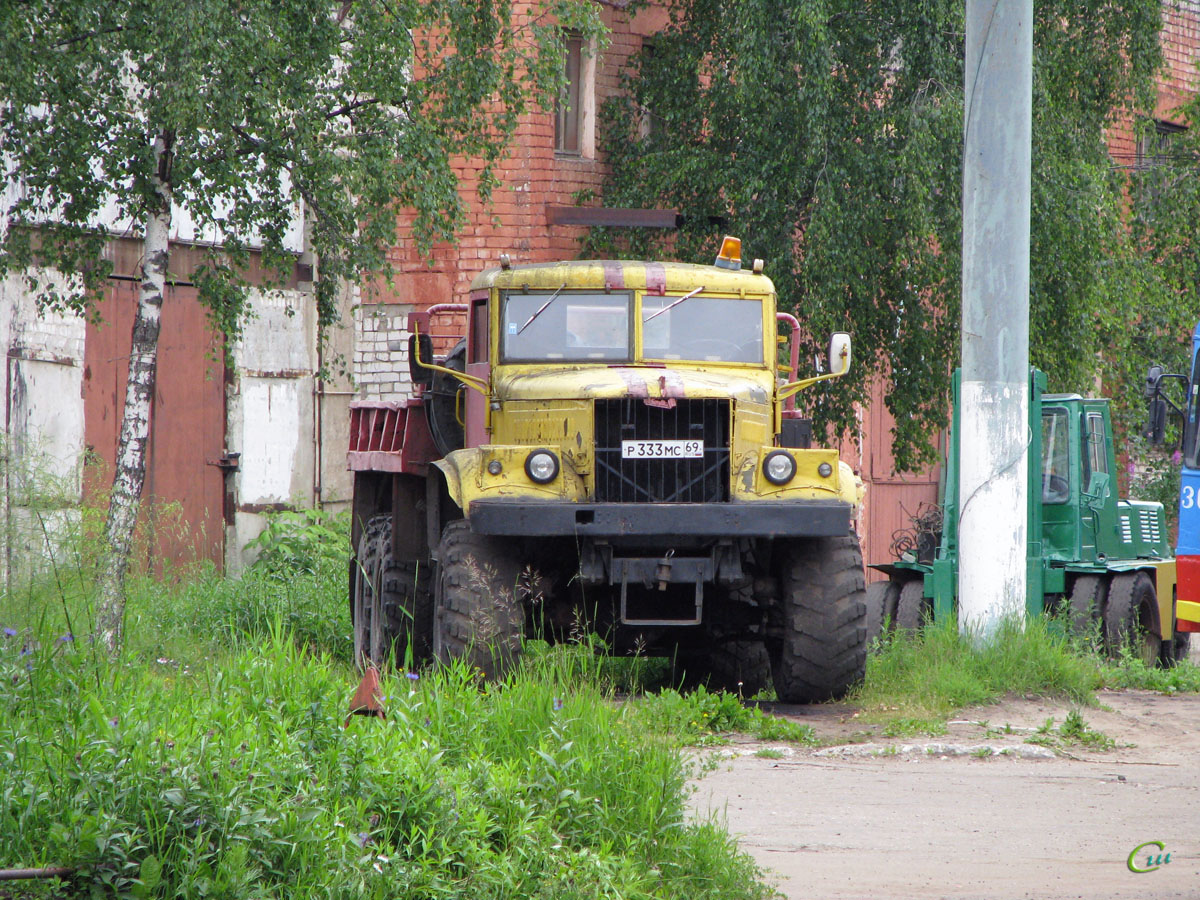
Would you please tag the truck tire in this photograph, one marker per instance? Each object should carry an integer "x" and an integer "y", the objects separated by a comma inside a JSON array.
[
  {"x": 478, "y": 616},
  {"x": 823, "y": 650},
  {"x": 881, "y": 607},
  {"x": 1085, "y": 605},
  {"x": 741, "y": 667},
  {"x": 1129, "y": 616},
  {"x": 392, "y": 608},
  {"x": 1176, "y": 649},
  {"x": 912, "y": 606}
]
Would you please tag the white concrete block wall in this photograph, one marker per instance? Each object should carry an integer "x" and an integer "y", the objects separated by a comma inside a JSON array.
[
  {"x": 380, "y": 362},
  {"x": 42, "y": 447},
  {"x": 269, "y": 414}
]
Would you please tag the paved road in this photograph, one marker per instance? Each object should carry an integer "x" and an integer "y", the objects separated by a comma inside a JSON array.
[{"x": 950, "y": 823}]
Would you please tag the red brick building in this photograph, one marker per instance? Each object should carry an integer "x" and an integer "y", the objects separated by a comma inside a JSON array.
[{"x": 554, "y": 162}]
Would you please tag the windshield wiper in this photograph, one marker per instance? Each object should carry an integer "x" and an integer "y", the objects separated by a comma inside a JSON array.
[
  {"x": 686, "y": 296},
  {"x": 541, "y": 309}
]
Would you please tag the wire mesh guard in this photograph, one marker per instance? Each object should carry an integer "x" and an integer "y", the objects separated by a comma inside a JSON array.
[{"x": 704, "y": 479}]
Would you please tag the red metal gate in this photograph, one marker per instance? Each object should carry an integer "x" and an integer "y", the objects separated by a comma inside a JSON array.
[
  {"x": 182, "y": 517},
  {"x": 892, "y": 497}
]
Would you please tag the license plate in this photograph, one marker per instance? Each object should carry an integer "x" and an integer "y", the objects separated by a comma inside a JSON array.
[{"x": 662, "y": 449}]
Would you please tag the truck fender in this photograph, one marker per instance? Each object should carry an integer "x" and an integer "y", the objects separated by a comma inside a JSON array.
[
  {"x": 851, "y": 488},
  {"x": 459, "y": 467}
]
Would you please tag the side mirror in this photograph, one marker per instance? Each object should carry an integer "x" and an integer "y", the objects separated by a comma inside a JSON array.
[
  {"x": 420, "y": 350},
  {"x": 1156, "y": 428},
  {"x": 839, "y": 353},
  {"x": 1097, "y": 490},
  {"x": 1153, "y": 377}
]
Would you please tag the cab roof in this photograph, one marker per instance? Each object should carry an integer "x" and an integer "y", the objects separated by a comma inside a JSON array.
[{"x": 624, "y": 274}]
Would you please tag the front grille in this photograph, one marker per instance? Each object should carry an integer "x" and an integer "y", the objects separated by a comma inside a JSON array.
[{"x": 703, "y": 480}]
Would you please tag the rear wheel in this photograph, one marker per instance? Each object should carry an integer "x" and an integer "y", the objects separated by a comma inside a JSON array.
[
  {"x": 912, "y": 606},
  {"x": 1176, "y": 649},
  {"x": 1129, "y": 617},
  {"x": 823, "y": 648},
  {"x": 881, "y": 601},
  {"x": 1085, "y": 605},
  {"x": 391, "y": 608},
  {"x": 736, "y": 666},
  {"x": 479, "y": 616}
]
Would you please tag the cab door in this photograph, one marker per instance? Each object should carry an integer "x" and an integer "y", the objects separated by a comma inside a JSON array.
[
  {"x": 475, "y": 404},
  {"x": 1098, "y": 496}
]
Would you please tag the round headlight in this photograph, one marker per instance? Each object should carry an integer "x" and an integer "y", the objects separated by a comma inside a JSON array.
[
  {"x": 495, "y": 467},
  {"x": 824, "y": 470},
  {"x": 541, "y": 466},
  {"x": 779, "y": 467}
]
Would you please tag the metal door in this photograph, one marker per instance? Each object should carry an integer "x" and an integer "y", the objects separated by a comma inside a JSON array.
[{"x": 183, "y": 501}]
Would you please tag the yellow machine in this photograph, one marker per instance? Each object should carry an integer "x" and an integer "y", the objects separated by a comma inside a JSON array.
[{"x": 612, "y": 447}]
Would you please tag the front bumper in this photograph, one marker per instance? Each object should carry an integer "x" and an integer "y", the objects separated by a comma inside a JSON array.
[{"x": 768, "y": 519}]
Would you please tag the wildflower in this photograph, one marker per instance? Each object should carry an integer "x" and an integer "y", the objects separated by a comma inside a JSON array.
[
  {"x": 114, "y": 721},
  {"x": 1175, "y": 458},
  {"x": 363, "y": 838},
  {"x": 26, "y": 650},
  {"x": 558, "y": 704},
  {"x": 411, "y": 676},
  {"x": 10, "y": 632},
  {"x": 66, "y": 638}
]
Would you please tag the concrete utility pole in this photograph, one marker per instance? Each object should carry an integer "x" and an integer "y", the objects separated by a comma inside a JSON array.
[{"x": 994, "y": 406}]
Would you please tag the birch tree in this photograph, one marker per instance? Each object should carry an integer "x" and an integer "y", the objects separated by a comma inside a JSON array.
[{"x": 245, "y": 115}]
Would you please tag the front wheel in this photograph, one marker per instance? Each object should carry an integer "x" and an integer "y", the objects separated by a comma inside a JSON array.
[
  {"x": 823, "y": 649},
  {"x": 478, "y": 613},
  {"x": 1129, "y": 617}
]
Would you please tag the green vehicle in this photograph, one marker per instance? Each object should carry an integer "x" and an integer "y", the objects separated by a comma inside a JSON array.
[{"x": 1092, "y": 557}]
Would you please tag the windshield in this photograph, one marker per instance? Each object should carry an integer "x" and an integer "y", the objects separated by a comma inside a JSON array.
[
  {"x": 712, "y": 329},
  {"x": 575, "y": 326},
  {"x": 565, "y": 326},
  {"x": 1191, "y": 429}
]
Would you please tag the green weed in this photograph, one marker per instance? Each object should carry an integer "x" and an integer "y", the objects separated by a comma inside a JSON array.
[
  {"x": 927, "y": 676},
  {"x": 701, "y": 717},
  {"x": 769, "y": 753},
  {"x": 238, "y": 780}
]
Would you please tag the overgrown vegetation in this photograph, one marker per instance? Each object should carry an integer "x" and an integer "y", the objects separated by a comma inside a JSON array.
[
  {"x": 915, "y": 681},
  {"x": 211, "y": 759}
]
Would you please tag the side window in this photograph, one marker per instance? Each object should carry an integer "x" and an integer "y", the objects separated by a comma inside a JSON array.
[
  {"x": 1097, "y": 452},
  {"x": 1056, "y": 456},
  {"x": 479, "y": 331}
]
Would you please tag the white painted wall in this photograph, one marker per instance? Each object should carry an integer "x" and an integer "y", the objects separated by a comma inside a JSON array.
[{"x": 43, "y": 438}]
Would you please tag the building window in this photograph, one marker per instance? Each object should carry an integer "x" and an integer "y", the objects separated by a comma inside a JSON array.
[
  {"x": 575, "y": 107},
  {"x": 1155, "y": 147}
]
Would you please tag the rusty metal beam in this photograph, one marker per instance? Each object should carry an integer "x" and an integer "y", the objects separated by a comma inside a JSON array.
[{"x": 612, "y": 217}]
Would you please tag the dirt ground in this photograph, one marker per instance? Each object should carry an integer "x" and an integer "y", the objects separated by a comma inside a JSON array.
[{"x": 977, "y": 812}]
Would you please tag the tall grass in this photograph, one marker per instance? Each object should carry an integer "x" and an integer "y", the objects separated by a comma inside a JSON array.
[
  {"x": 211, "y": 760},
  {"x": 931, "y": 674},
  {"x": 238, "y": 780}
]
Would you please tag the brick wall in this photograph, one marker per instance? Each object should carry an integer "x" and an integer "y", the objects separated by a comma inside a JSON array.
[
  {"x": 1177, "y": 82},
  {"x": 531, "y": 178}
]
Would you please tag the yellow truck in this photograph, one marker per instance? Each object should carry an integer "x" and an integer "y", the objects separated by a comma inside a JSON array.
[{"x": 612, "y": 448}]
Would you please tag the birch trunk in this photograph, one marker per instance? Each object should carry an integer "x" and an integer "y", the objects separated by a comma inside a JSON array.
[{"x": 130, "y": 474}]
